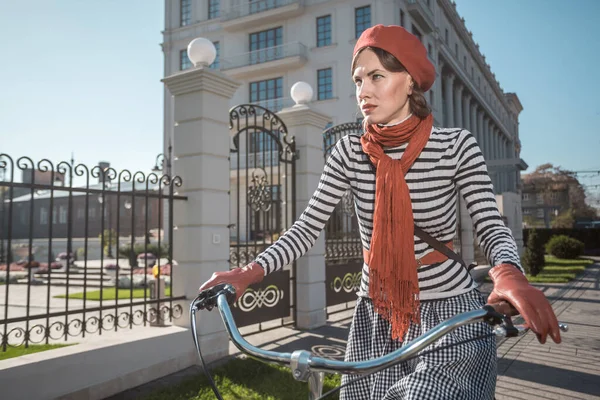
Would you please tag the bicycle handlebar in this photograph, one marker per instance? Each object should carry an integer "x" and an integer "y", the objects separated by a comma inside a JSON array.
[{"x": 303, "y": 362}]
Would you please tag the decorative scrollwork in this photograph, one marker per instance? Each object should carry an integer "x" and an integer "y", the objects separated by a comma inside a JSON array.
[
  {"x": 349, "y": 283},
  {"x": 39, "y": 333},
  {"x": 239, "y": 257},
  {"x": 330, "y": 351},
  {"x": 259, "y": 193},
  {"x": 343, "y": 249},
  {"x": 335, "y": 133},
  {"x": 253, "y": 299},
  {"x": 348, "y": 203}
]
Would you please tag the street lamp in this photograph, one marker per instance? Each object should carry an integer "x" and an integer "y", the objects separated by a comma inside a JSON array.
[
  {"x": 159, "y": 163},
  {"x": 2, "y": 172},
  {"x": 101, "y": 200}
]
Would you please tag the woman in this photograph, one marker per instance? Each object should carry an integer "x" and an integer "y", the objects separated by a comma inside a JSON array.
[{"x": 405, "y": 172}]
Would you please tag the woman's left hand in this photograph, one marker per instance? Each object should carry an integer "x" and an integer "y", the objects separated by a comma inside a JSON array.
[{"x": 511, "y": 285}]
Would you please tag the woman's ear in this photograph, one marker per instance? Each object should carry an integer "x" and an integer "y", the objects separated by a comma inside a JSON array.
[{"x": 411, "y": 85}]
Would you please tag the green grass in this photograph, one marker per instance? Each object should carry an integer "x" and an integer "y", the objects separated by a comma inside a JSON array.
[
  {"x": 560, "y": 270},
  {"x": 111, "y": 293},
  {"x": 244, "y": 379},
  {"x": 33, "y": 348}
]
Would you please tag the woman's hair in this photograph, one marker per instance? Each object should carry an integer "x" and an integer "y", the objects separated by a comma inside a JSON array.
[{"x": 417, "y": 102}]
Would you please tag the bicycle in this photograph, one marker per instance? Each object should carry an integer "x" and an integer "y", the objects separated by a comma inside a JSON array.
[{"x": 309, "y": 368}]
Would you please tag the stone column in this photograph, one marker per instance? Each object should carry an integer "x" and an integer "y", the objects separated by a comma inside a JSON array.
[
  {"x": 474, "y": 128},
  {"x": 201, "y": 149},
  {"x": 306, "y": 125},
  {"x": 481, "y": 129},
  {"x": 449, "y": 100},
  {"x": 458, "y": 103},
  {"x": 467, "y": 112}
]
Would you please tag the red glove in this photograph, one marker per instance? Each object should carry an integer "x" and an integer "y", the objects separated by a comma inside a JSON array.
[
  {"x": 240, "y": 278},
  {"x": 511, "y": 285}
]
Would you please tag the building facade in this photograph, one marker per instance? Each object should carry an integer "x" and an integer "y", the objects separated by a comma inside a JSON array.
[{"x": 268, "y": 45}]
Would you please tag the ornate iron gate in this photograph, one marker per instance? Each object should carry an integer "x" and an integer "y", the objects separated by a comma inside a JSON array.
[
  {"x": 343, "y": 248},
  {"x": 262, "y": 195}
]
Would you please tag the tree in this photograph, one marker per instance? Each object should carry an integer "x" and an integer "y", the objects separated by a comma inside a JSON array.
[
  {"x": 564, "y": 220},
  {"x": 533, "y": 259},
  {"x": 548, "y": 180}
]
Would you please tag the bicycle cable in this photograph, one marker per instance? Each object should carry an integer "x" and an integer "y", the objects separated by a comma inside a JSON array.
[
  {"x": 204, "y": 366},
  {"x": 334, "y": 390}
]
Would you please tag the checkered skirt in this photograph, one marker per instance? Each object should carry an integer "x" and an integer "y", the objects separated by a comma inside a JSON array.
[{"x": 466, "y": 371}]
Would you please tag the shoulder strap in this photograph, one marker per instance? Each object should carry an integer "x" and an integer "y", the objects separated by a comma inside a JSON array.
[{"x": 436, "y": 244}]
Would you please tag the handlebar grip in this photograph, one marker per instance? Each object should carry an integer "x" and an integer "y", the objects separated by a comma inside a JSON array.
[{"x": 505, "y": 308}]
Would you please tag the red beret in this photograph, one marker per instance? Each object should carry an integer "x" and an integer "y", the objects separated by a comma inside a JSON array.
[{"x": 403, "y": 45}]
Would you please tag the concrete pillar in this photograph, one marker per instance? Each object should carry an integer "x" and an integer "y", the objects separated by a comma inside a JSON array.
[
  {"x": 201, "y": 150},
  {"x": 481, "y": 129},
  {"x": 467, "y": 112},
  {"x": 306, "y": 126},
  {"x": 449, "y": 100},
  {"x": 458, "y": 103},
  {"x": 474, "y": 128}
]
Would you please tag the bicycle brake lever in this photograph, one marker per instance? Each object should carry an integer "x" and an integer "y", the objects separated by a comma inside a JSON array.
[{"x": 207, "y": 299}]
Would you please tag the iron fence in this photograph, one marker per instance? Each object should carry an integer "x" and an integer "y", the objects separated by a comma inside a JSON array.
[
  {"x": 77, "y": 260},
  {"x": 263, "y": 207}
]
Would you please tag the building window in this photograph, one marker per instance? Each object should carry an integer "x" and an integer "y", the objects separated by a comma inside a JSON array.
[
  {"x": 80, "y": 213},
  {"x": 472, "y": 72},
  {"x": 456, "y": 49},
  {"x": 540, "y": 213},
  {"x": 525, "y": 196},
  {"x": 465, "y": 61},
  {"x": 43, "y": 216},
  {"x": 362, "y": 20},
  {"x": 325, "y": 84},
  {"x": 324, "y": 31},
  {"x": 401, "y": 17},
  {"x": 62, "y": 215},
  {"x": 54, "y": 213},
  {"x": 553, "y": 195},
  {"x": 430, "y": 50},
  {"x": 539, "y": 198},
  {"x": 92, "y": 213},
  {"x": 526, "y": 211},
  {"x": 217, "y": 64},
  {"x": 267, "y": 93},
  {"x": 214, "y": 9},
  {"x": 184, "y": 61},
  {"x": 446, "y": 36},
  {"x": 267, "y": 42},
  {"x": 186, "y": 12},
  {"x": 417, "y": 33}
]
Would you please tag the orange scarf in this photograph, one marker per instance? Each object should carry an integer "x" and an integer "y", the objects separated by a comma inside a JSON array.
[{"x": 393, "y": 280}]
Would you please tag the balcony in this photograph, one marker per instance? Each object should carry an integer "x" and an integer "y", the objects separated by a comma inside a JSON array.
[
  {"x": 259, "y": 12},
  {"x": 264, "y": 61},
  {"x": 420, "y": 11}
]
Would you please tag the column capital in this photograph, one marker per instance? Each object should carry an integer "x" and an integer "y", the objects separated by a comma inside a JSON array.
[
  {"x": 201, "y": 79},
  {"x": 299, "y": 115}
]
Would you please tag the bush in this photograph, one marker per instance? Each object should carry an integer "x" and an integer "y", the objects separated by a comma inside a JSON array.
[
  {"x": 533, "y": 260},
  {"x": 563, "y": 246}
]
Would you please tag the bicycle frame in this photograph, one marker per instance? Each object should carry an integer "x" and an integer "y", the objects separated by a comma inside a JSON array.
[{"x": 309, "y": 368}]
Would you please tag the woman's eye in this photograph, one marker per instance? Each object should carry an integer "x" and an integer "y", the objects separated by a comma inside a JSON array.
[
  {"x": 357, "y": 82},
  {"x": 377, "y": 76}
]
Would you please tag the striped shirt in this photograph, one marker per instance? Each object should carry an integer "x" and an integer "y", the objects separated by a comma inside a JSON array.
[{"x": 451, "y": 162}]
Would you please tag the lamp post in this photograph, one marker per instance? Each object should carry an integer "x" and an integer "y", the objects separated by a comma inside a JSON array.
[
  {"x": 2, "y": 260},
  {"x": 101, "y": 200}
]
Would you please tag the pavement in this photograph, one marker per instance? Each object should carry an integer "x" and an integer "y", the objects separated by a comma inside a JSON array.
[{"x": 526, "y": 369}]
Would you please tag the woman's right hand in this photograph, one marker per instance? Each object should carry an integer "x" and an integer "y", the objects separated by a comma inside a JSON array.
[{"x": 239, "y": 278}]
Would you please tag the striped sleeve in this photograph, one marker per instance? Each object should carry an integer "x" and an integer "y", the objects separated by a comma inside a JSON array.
[
  {"x": 304, "y": 232},
  {"x": 475, "y": 186}
]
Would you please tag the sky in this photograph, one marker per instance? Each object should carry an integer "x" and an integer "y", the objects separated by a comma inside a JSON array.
[{"x": 83, "y": 78}]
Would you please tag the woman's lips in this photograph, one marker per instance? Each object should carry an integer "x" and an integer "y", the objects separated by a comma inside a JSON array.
[{"x": 368, "y": 108}]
